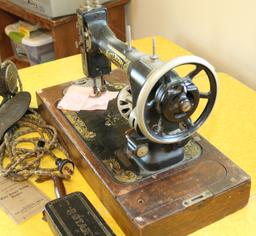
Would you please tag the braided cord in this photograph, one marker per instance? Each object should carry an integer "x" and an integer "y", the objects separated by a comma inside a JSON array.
[{"x": 19, "y": 163}]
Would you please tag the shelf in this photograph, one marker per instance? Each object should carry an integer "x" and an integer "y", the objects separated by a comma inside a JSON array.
[
  {"x": 63, "y": 29},
  {"x": 19, "y": 63},
  {"x": 33, "y": 17}
]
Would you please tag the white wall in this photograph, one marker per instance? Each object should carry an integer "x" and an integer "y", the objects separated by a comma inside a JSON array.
[{"x": 221, "y": 31}]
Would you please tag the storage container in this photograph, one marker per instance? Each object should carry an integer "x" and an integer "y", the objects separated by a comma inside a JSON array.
[{"x": 38, "y": 48}]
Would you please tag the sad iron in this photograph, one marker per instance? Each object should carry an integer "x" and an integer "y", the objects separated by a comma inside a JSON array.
[{"x": 15, "y": 102}]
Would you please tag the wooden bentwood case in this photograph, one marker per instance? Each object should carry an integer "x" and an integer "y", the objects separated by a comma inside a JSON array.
[{"x": 175, "y": 202}]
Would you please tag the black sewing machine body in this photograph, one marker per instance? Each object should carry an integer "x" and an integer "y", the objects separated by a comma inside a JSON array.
[{"x": 168, "y": 104}]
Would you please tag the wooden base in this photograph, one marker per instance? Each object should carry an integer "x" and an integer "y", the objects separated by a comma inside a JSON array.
[{"x": 175, "y": 202}]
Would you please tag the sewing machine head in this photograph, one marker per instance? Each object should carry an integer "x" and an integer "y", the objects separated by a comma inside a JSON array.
[{"x": 159, "y": 103}]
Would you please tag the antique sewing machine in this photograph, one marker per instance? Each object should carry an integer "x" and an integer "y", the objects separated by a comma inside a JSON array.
[{"x": 142, "y": 156}]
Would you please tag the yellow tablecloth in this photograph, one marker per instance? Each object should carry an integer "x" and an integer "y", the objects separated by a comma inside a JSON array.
[{"x": 231, "y": 128}]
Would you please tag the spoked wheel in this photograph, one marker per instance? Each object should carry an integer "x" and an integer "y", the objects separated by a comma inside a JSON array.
[{"x": 167, "y": 101}]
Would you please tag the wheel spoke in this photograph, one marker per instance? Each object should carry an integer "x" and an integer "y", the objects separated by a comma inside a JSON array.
[
  {"x": 205, "y": 95},
  {"x": 195, "y": 72},
  {"x": 187, "y": 124},
  {"x": 158, "y": 127},
  {"x": 128, "y": 100}
]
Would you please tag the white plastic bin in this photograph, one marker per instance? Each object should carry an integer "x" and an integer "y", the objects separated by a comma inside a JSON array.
[{"x": 39, "y": 47}]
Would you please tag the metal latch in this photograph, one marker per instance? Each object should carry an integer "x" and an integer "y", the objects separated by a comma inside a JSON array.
[{"x": 196, "y": 199}]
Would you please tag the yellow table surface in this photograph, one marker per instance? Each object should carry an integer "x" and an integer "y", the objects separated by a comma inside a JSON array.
[{"x": 231, "y": 128}]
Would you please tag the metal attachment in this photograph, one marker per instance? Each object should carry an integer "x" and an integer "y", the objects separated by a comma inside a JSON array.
[
  {"x": 137, "y": 145},
  {"x": 96, "y": 89},
  {"x": 196, "y": 199},
  {"x": 185, "y": 105},
  {"x": 142, "y": 150},
  {"x": 103, "y": 86},
  {"x": 65, "y": 166},
  {"x": 99, "y": 86},
  {"x": 154, "y": 57},
  {"x": 129, "y": 38}
]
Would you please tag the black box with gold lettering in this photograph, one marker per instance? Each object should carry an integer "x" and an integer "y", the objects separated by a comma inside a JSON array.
[{"x": 75, "y": 215}]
